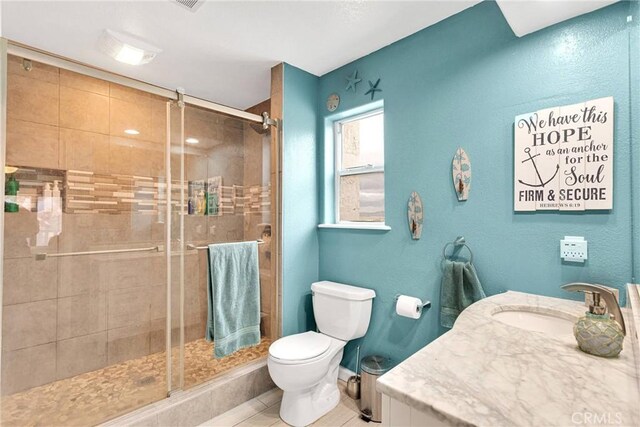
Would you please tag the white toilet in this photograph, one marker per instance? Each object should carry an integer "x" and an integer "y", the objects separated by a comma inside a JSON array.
[{"x": 306, "y": 365}]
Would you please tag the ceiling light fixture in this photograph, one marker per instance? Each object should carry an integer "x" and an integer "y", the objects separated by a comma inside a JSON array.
[
  {"x": 127, "y": 49},
  {"x": 191, "y": 141},
  {"x": 132, "y": 132}
]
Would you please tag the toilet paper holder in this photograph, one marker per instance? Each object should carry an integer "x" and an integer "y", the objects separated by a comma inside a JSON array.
[{"x": 425, "y": 304}]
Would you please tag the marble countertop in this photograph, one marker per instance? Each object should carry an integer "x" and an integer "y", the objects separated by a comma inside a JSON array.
[{"x": 487, "y": 373}]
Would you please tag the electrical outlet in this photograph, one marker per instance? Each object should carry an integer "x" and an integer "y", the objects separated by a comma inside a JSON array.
[{"x": 573, "y": 249}]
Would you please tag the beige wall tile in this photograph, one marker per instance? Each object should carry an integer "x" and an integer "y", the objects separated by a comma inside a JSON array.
[
  {"x": 39, "y": 71},
  {"x": 158, "y": 121},
  {"x": 128, "y": 94},
  {"x": 137, "y": 157},
  {"x": 126, "y": 272},
  {"x": 120, "y": 153},
  {"x": 128, "y": 342},
  {"x": 196, "y": 167},
  {"x": 32, "y": 144},
  {"x": 130, "y": 115},
  {"x": 128, "y": 307},
  {"x": 84, "y": 110},
  {"x": 233, "y": 133},
  {"x": 85, "y": 151},
  {"x": 28, "y": 280},
  {"x": 265, "y": 293},
  {"x": 20, "y": 230},
  {"x": 141, "y": 225},
  {"x": 204, "y": 125},
  {"x": 196, "y": 228},
  {"x": 82, "y": 82},
  {"x": 253, "y": 157},
  {"x": 32, "y": 100},
  {"x": 158, "y": 270},
  {"x": 82, "y": 315},
  {"x": 195, "y": 331},
  {"x": 158, "y": 300},
  {"x": 79, "y": 275},
  {"x": 29, "y": 324},
  {"x": 140, "y": 164},
  {"x": 28, "y": 367},
  {"x": 227, "y": 161},
  {"x": 157, "y": 335},
  {"x": 95, "y": 231},
  {"x": 81, "y": 354},
  {"x": 195, "y": 293},
  {"x": 156, "y": 162}
]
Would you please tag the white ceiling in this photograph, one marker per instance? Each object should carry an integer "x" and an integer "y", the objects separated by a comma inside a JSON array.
[
  {"x": 224, "y": 51},
  {"x": 526, "y": 17}
]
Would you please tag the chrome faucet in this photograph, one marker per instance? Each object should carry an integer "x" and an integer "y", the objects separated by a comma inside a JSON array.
[{"x": 599, "y": 291}]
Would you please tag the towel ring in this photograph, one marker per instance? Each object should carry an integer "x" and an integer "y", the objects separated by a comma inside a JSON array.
[{"x": 457, "y": 243}]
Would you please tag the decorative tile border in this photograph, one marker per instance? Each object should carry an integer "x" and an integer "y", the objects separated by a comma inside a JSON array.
[{"x": 89, "y": 192}]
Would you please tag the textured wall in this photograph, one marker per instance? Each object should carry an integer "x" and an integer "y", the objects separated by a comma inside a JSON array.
[
  {"x": 461, "y": 83},
  {"x": 299, "y": 199}
]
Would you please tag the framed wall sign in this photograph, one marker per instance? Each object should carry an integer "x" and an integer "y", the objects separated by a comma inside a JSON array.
[{"x": 563, "y": 158}]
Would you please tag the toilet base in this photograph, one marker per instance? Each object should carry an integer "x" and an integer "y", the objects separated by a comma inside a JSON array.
[{"x": 303, "y": 407}]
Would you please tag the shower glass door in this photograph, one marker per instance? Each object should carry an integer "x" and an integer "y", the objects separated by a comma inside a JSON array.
[
  {"x": 112, "y": 196},
  {"x": 226, "y": 173},
  {"x": 84, "y": 284}
]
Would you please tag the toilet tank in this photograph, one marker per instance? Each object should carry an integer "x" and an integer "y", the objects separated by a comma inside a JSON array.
[{"x": 342, "y": 311}]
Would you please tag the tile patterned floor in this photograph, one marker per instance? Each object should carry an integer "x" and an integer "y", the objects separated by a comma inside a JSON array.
[
  {"x": 264, "y": 410},
  {"x": 90, "y": 398}
]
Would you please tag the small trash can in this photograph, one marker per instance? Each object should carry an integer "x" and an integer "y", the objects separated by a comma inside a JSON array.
[{"x": 370, "y": 400}]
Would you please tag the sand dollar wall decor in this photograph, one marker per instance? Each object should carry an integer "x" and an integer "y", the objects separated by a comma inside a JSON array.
[{"x": 415, "y": 215}]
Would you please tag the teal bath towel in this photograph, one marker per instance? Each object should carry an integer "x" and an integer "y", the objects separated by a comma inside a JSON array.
[
  {"x": 233, "y": 291},
  {"x": 460, "y": 288}
]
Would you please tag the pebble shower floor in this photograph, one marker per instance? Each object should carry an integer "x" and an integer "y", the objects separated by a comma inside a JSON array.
[{"x": 95, "y": 397}]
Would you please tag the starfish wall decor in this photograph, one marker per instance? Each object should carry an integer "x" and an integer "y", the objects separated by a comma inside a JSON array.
[
  {"x": 352, "y": 81},
  {"x": 373, "y": 88}
]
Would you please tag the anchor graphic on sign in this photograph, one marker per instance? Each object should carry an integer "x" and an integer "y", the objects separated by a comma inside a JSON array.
[{"x": 533, "y": 162}]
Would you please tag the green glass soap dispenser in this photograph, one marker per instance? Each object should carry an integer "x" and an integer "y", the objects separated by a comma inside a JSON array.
[
  {"x": 11, "y": 188},
  {"x": 601, "y": 330}
]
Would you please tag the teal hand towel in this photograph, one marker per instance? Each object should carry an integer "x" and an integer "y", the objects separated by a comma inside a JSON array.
[
  {"x": 459, "y": 289},
  {"x": 233, "y": 291}
]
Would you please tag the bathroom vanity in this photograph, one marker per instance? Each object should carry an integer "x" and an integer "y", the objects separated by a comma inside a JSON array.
[{"x": 512, "y": 360}]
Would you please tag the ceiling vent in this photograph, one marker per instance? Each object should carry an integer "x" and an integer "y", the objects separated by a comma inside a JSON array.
[{"x": 191, "y": 5}]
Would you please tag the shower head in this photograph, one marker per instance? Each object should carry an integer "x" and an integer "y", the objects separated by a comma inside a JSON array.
[
  {"x": 259, "y": 128},
  {"x": 267, "y": 122}
]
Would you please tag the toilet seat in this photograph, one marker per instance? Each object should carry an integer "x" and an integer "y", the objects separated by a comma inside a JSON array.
[{"x": 300, "y": 348}]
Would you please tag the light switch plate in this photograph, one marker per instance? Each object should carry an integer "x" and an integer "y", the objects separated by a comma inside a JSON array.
[{"x": 573, "y": 249}]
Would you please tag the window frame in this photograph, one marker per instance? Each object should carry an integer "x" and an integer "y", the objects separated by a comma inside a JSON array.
[{"x": 358, "y": 170}]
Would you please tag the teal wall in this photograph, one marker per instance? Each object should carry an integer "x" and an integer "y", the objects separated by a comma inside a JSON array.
[
  {"x": 461, "y": 82},
  {"x": 299, "y": 199}
]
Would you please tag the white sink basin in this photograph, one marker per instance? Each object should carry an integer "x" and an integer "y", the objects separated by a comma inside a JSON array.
[{"x": 548, "y": 323}]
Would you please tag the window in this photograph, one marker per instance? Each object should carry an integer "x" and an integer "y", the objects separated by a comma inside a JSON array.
[{"x": 359, "y": 185}]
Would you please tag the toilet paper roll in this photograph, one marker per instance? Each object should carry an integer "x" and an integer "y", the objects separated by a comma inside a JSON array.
[{"x": 409, "y": 307}]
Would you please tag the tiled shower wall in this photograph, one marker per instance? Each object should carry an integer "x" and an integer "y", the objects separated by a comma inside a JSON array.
[{"x": 66, "y": 316}]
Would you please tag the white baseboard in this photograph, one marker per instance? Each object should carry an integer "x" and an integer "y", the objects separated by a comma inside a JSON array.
[{"x": 344, "y": 373}]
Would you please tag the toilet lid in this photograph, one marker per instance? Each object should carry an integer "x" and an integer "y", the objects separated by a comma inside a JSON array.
[{"x": 300, "y": 346}]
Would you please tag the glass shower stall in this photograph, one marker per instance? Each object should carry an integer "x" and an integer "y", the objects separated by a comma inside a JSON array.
[{"x": 113, "y": 191}]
